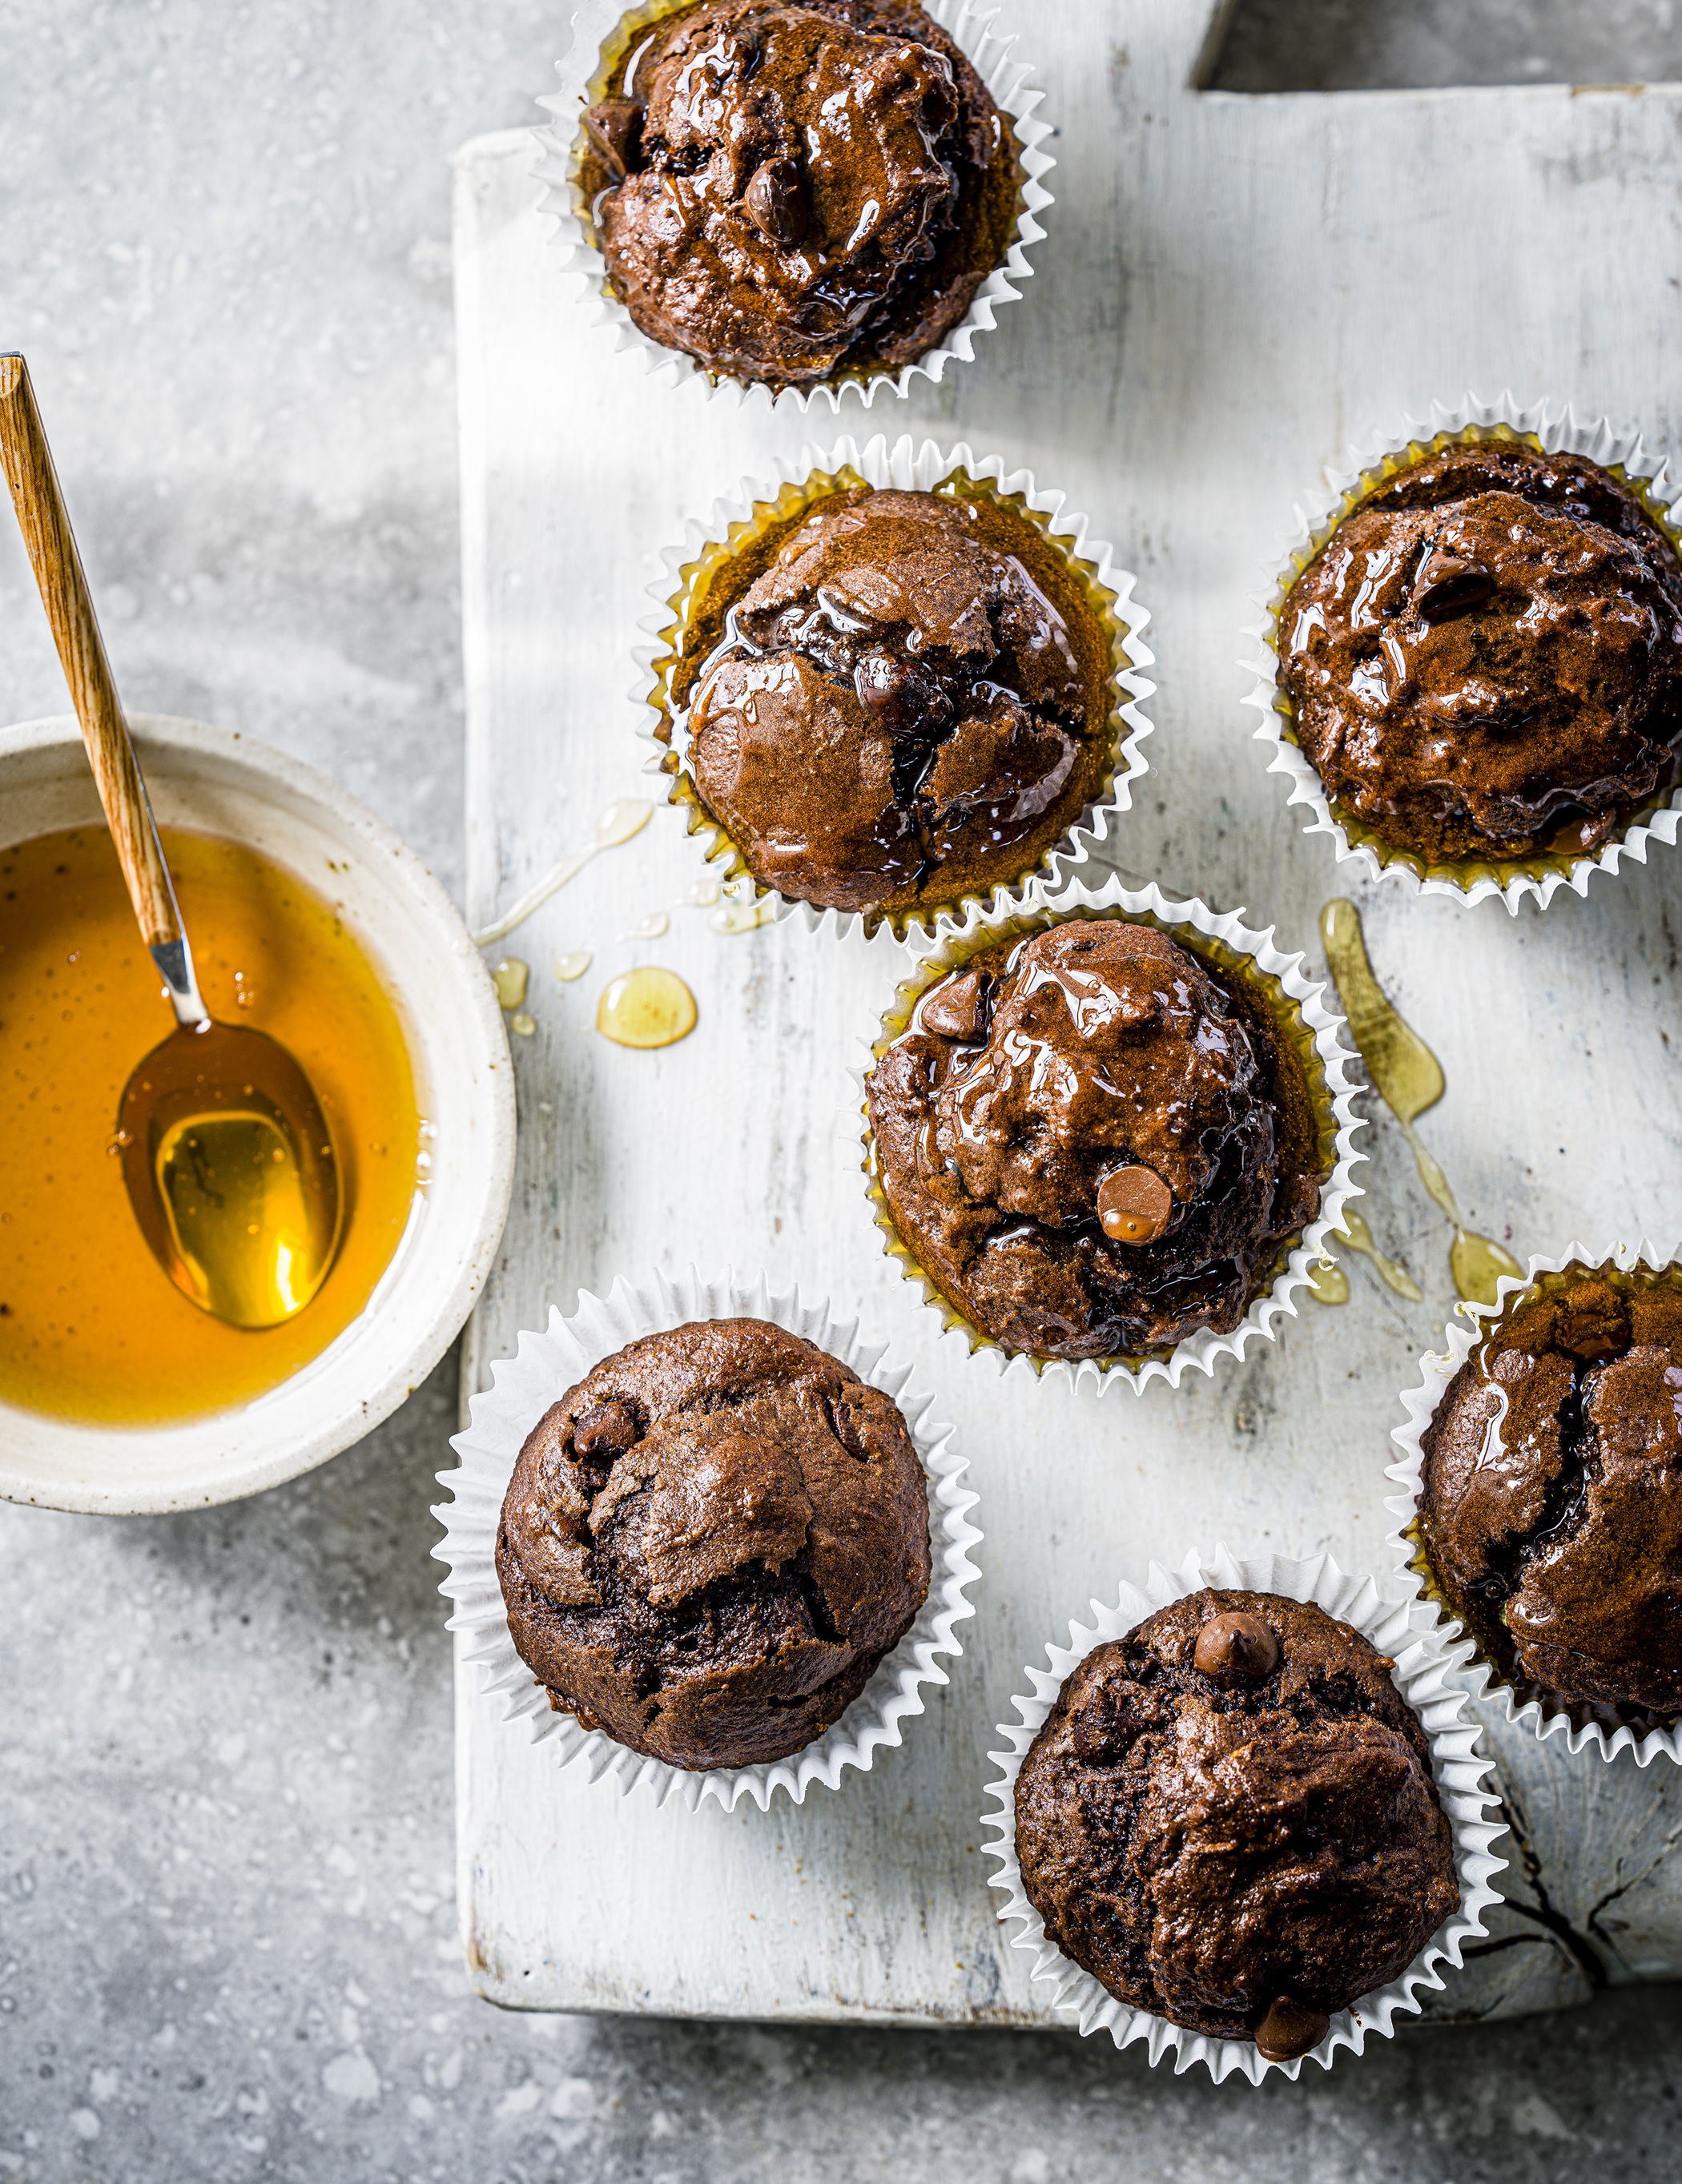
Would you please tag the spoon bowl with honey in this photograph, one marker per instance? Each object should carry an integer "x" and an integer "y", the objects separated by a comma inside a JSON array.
[{"x": 227, "y": 1154}]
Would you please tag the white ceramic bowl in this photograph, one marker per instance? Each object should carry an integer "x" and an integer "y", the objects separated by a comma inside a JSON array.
[{"x": 219, "y": 783}]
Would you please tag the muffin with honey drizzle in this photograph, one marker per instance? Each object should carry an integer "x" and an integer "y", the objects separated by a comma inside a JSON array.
[
  {"x": 1093, "y": 1142},
  {"x": 797, "y": 193}
]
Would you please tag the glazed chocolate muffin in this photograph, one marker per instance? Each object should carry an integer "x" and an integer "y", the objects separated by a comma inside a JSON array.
[
  {"x": 708, "y": 1543},
  {"x": 1550, "y": 1510},
  {"x": 1228, "y": 1819},
  {"x": 789, "y": 192},
  {"x": 896, "y": 710},
  {"x": 1486, "y": 659},
  {"x": 1093, "y": 1144}
]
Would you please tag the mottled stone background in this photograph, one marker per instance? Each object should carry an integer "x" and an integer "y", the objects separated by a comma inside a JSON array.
[{"x": 227, "y": 1941}]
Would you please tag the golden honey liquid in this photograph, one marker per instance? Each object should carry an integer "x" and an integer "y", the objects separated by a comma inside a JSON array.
[
  {"x": 1409, "y": 1078},
  {"x": 91, "y": 1326},
  {"x": 646, "y": 1007},
  {"x": 1327, "y": 1284}
]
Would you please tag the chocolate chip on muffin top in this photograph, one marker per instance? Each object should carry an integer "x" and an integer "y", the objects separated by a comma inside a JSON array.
[
  {"x": 1229, "y": 1819},
  {"x": 789, "y": 191},
  {"x": 709, "y": 1543},
  {"x": 1089, "y": 1145},
  {"x": 897, "y": 708},
  {"x": 1550, "y": 1510},
  {"x": 1485, "y": 658}
]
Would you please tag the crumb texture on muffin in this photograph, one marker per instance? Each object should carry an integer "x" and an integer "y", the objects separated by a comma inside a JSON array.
[
  {"x": 1236, "y": 1830},
  {"x": 710, "y": 1542},
  {"x": 894, "y": 697},
  {"x": 1485, "y": 658},
  {"x": 789, "y": 191},
  {"x": 1551, "y": 1502},
  {"x": 1079, "y": 1137}
]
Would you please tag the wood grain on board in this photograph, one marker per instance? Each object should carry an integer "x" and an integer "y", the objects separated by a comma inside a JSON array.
[{"x": 1231, "y": 288}]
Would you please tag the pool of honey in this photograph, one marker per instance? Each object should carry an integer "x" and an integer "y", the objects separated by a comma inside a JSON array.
[{"x": 91, "y": 1326}]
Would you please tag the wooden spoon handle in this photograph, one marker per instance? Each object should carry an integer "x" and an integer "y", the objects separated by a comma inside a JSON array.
[{"x": 46, "y": 526}]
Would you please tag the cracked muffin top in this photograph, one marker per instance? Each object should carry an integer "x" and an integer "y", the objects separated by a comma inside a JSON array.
[
  {"x": 1550, "y": 1510},
  {"x": 1088, "y": 1142},
  {"x": 788, "y": 193},
  {"x": 1485, "y": 658},
  {"x": 897, "y": 709},
  {"x": 708, "y": 1543},
  {"x": 1228, "y": 1819}
]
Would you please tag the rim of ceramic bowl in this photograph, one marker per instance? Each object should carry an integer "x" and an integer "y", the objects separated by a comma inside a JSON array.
[{"x": 218, "y": 782}]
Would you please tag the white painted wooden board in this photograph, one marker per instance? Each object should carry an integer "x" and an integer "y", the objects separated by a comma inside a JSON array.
[{"x": 1231, "y": 288}]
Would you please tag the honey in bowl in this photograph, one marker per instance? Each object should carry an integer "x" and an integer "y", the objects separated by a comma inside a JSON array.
[{"x": 91, "y": 1326}]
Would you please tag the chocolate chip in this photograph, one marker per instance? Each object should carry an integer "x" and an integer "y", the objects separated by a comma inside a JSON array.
[
  {"x": 1103, "y": 1732},
  {"x": 958, "y": 1009},
  {"x": 1447, "y": 586},
  {"x": 1236, "y": 1648},
  {"x": 607, "y": 1430},
  {"x": 776, "y": 203},
  {"x": 899, "y": 698},
  {"x": 1133, "y": 1204},
  {"x": 616, "y": 129},
  {"x": 1290, "y": 2028}
]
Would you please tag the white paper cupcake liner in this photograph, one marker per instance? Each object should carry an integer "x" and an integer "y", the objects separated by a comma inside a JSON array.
[
  {"x": 909, "y": 468},
  {"x": 1007, "y": 79},
  {"x": 1197, "y": 1352},
  {"x": 1437, "y": 1369},
  {"x": 1406, "y": 1631},
  {"x": 544, "y": 1366},
  {"x": 1558, "y": 430}
]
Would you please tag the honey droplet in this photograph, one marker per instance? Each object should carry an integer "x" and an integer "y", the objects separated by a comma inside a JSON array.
[
  {"x": 621, "y": 820},
  {"x": 650, "y": 928},
  {"x": 569, "y": 967},
  {"x": 743, "y": 916},
  {"x": 646, "y": 1007},
  {"x": 1327, "y": 1284},
  {"x": 1477, "y": 1263},
  {"x": 1405, "y": 1072},
  {"x": 1361, "y": 1239},
  {"x": 1409, "y": 1078},
  {"x": 701, "y": 894},
  {"x": 509, "y": 977},
  {"x": 522, "y": 1025}
]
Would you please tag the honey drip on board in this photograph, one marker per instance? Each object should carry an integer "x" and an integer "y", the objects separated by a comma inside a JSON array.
[
  {"x": 573, "y": 966},
  {"x": 617, "y": 824},
  {"x": 1327, "y": 1284},
  {"x": 1409, "y": 1078},
  {"x": 743, "y": 916},
  {"x": 90, "y": 1325},
  {"x": 646, "y": 1007},
  {"x": 509, "y": 978}
]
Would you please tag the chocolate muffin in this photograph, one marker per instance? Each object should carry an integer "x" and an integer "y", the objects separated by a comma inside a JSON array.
[
  {"x": 1228, "y": 1819},
  {"x": 1484, "y": 660},
  {"x": 1092, "y": 1143},
  {"x": 1551, "y": 1509},
  {"x": 794, "y": 192},
  {"x": 910, "y": 701},
  {"x": 708, "y": 1543}
]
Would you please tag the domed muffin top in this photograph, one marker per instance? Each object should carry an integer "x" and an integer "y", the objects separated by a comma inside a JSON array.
[
  {"x": 788, "y": 191},
  {"x": 709, "y": 1543},
  {"x": 1552, "y": 1501},
  {"x": 1485, "y": 658},
  {"x": 1081, "y": 1137},
  {"x": 1229, "y": 1819},
  {"x": 896, "y": 705}
]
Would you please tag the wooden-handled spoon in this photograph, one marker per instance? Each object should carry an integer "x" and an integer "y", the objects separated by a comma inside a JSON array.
[{"x": 227, "y": 1156}]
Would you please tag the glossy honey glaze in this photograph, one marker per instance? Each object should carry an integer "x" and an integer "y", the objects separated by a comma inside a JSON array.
[{"x": 91, "y": 1326}]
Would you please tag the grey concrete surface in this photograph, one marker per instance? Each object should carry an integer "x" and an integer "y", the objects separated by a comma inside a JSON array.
[
  {"x": 1345, "y": 45},
  {"x": 227, "y": 1945}
]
